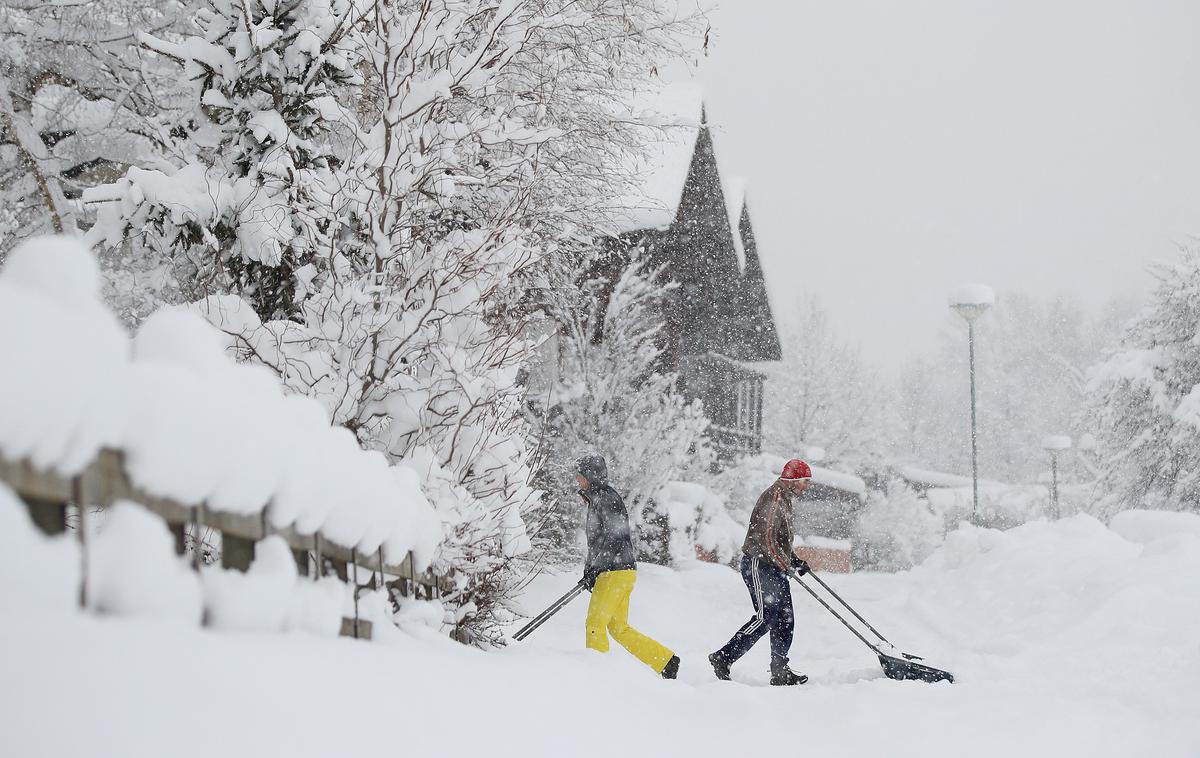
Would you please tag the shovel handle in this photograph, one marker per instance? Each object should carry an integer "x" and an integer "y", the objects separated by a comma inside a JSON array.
[
  {"x": 829, "y": 608},
  {"x": 847, "y": 607},
  {"x": 545, "y": 615}
]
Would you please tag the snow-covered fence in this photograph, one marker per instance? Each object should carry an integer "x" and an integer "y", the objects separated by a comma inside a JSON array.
[
  {"x": 49, "y": 496},
  {"x": 89, "y": 417}
]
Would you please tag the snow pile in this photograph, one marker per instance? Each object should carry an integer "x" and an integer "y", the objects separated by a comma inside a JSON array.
[
  {"x": 897, "y": 529},
  {"x": 1031, "y": 590},
  {"x": 1148, "y": 527},
  {"x": 999, "y": 505},
  {"x": 698, "y": 519},
  {"x": 37, "y": 573},
  {"x": 1066, "y": 638},
  {"x": 71, "y": 382},
  {"x": 271, "y": 596},
  {"x": 63, "y": 356},
  {"x": 134, "y": 571}
]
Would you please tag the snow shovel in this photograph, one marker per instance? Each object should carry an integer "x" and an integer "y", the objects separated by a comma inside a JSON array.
[
  {"x": 903, "y": 667},
  {"x": 545, "y": 615}
]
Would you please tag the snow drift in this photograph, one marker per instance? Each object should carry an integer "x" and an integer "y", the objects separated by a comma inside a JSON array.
[{"x": 1067, "y": 638}]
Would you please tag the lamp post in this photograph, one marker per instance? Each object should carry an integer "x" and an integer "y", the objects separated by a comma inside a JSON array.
[
  {"x": 1054, "y": 445},
  {"x": 972, "y": 301}
]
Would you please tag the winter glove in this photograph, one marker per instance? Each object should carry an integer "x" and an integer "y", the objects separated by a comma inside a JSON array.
[
  {"x": 800, "y": 565},
  {"x": 589, "y": 580}
]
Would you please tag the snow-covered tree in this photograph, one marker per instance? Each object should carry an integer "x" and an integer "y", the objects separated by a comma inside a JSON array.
[
  {"x": 247, "y": 203},
  {"x": 823, "y": 395},
  {"x": 611, "y": 399},
  {"x": 390, "y": 184},
  {"x": 1146, "y": 399},
  {"x": 76, "y": 106}
]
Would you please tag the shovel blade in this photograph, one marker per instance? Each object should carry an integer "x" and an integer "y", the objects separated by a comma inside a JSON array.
[{"x": 900, "y": 669}]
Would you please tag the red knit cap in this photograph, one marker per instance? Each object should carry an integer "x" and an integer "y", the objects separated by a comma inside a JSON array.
[{"x": 796, "y": 470}]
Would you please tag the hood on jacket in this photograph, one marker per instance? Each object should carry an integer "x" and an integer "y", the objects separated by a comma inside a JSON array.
[{"x": 594, "y": 469}]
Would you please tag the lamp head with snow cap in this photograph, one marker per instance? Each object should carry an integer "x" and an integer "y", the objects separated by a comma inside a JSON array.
[
  {"x": 796, "y": 476},
  {"x": 972, "y": 300}
]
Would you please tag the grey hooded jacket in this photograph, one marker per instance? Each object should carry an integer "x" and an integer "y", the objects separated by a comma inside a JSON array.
[{"x": 610, "y": 544}]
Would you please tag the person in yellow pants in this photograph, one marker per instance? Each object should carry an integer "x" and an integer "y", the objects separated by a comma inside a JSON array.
[
  {"x": 611, "y": 571},
  {"x": 608, "y": 614}
]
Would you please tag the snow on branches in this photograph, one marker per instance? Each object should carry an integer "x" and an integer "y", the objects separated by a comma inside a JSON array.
[
  {"x": 370, "y": 196},
  {"x": 1146, "y": 400},
  {"x": 247, "y": 201}
]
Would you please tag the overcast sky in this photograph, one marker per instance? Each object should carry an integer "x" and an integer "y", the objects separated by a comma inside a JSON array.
[{"x": 898, "y": 149}]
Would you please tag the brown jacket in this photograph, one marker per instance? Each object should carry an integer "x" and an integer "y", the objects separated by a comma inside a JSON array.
[{"x": 770, "y": 534}]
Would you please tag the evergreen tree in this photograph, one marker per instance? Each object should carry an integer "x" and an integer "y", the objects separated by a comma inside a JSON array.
[{"x": 1146, "y": 399}]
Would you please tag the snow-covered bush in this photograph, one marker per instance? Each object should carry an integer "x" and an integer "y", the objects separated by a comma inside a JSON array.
[
  {"x": 1001, "y": 506},
  {"x": 1146, "y": 398},
  {"x": 741, "y": 483},
  {"x": 697, "y": 520},
  {"x": 897, "y": 530}
]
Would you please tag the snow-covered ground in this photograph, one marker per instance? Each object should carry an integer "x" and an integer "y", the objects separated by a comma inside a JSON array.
[{"x": 1067, "y": 639}]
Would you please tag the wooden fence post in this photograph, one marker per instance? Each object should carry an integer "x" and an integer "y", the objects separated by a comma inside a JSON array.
[
  {"x": 47, "y": 515},
  {"x": 197, "y": 545},
  {"x": 82, "y": 532},
  {"x": 301, "y": 557},
  {"x": 179, "y": 532},
  {"x": 236, "y": 552},
  {"x": 354, "y": 583},
  {"x": 320, "y": 572}
]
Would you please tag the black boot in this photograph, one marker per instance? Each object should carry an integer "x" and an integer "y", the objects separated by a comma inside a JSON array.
[
  {"x": 782, "y": 676},
  {"x": 671, "y": 670},
  {"x": 720, "y": 666}
]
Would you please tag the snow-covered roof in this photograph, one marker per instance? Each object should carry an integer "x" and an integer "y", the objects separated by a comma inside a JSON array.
[
  {"x": 676, "y": 114},
  {"x": 735, "y": 200},
  {"x": 823, "y": 543},
  {"x": 838, "y": 480},
  {"x": 931, "y": 478}
]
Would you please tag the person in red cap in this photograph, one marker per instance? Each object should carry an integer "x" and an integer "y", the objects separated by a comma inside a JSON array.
[{"x": 767, "y": 557}]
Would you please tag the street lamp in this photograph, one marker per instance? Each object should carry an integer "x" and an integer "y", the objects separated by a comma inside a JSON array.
[
  {"x": 972, "y": 301},
  {"x": 1054, "y": 445}
]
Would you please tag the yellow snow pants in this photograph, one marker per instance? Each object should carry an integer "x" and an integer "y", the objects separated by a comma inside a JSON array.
[{"x": 609, "y": 610}]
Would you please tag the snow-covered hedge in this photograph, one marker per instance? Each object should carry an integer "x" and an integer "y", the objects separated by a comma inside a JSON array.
[{"x": 194, "y": 425}]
